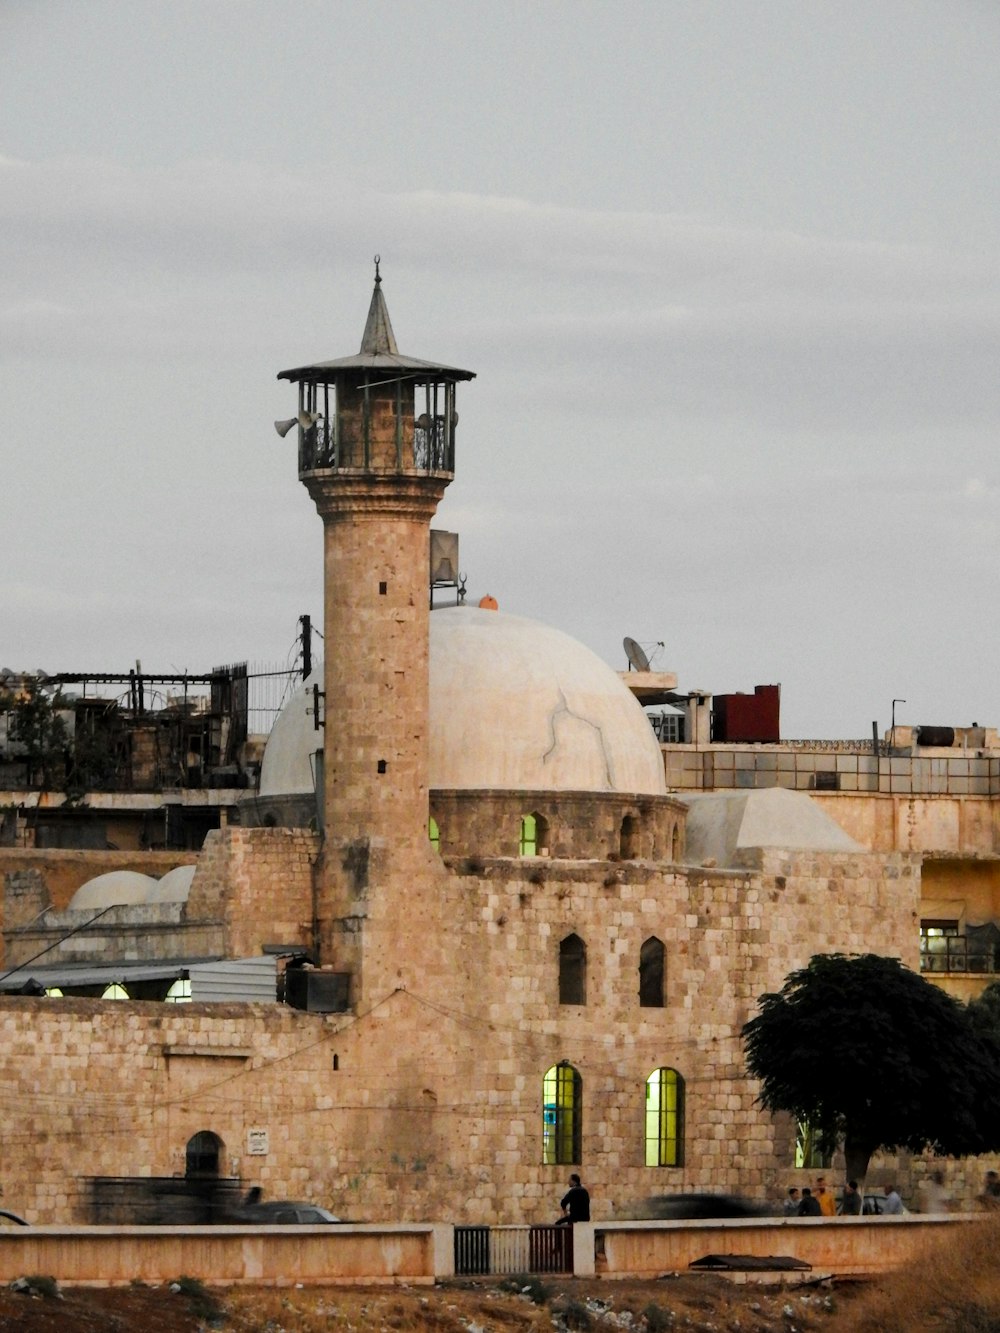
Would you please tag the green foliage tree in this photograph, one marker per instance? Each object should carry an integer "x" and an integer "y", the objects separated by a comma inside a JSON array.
[
  {"x": 984, "y": 1012},
  {"x": 870, "y": 1055},
  {"x": 35, "y": 726}
]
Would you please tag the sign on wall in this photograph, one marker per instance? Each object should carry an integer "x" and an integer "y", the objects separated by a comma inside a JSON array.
[{"x": 257, "y": 1143}]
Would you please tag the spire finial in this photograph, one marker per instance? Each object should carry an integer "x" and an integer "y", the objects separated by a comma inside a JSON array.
[{"x": 378, "y": 278}]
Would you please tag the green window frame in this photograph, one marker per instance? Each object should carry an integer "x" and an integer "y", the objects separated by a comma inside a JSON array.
[
  {"x": 664, "y": 1118},
  {"x": 528, "y": 845},
  {"x": 434, "y": 833},
  {"x": 562, "y": 1116}
]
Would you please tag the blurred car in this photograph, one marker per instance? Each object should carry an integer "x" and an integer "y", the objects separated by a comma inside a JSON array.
[
  {"x": 681, "y": 1207},
  {"x": 12, "y": 1219},
  {"x": 873, "y": 1205},
  {"x": 284, "y": 1213}
]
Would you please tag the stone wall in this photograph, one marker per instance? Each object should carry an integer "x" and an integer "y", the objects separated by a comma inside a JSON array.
[
  {"x": 259, "y": 882},
  {"x": 427, "y": 1103},
  {"x": 578, "y": 825}
]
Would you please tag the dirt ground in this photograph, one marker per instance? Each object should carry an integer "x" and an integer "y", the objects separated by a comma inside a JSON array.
[{"x": 695, "y": 1303}]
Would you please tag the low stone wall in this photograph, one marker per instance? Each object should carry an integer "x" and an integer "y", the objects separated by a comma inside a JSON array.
[
  {"x": 842, "y": 1245},
  {"x": 279, "y": 1256},
  {"x": 273, "y": 1256}
]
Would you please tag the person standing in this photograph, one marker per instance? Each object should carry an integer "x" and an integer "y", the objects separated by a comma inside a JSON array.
[
  {"x": 932, "y": 1194},
  {"x": 850, "y": 1204},
  {"x": 893, "y": 1205},
  {"x": 790, "y": 1207},
  {"x": 809, "y": 1207},
  {"x": 575, "y": 1203},
  {"x": 824, "y": 1196}
]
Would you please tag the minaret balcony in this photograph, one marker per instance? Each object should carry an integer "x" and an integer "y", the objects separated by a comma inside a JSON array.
[{"x": 425, "y": 446}]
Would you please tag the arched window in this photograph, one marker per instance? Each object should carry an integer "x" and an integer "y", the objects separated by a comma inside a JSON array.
[
  {"x": 664, "y": 1118},
  {"x": 562, "y": 1116},
  {"x": 534, "y": 835},
  {"x": 652, "y": 973},
  {"x": 434, "y": 833},
  {"x": 204, "y": 1154},
  {"x": 179, "y": 992},
  {"x": 114, "y": 992},
  {"x": 572, "y": 970},
  {"x": 628, "y": 838}
]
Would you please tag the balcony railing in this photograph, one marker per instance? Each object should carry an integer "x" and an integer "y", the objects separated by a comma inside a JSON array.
[{"x": 428, "y": 444}]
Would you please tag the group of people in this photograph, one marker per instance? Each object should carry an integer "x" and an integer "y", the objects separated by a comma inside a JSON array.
[{"x": 820, "y": 1202}]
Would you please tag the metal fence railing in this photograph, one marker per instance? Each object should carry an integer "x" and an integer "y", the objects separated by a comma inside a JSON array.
[{"x": 493, "y": 1251}]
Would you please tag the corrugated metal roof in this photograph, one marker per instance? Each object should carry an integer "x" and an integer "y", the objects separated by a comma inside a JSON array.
[{"x": 253, "y": 980}]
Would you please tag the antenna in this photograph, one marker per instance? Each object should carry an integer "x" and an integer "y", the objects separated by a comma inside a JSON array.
[{"x": 637, "y": 659}]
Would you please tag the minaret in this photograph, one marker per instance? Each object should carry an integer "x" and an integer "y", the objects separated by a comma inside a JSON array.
[{"x": 376, "y": 451}]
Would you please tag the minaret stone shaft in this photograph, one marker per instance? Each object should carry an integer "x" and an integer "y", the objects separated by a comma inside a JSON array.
[{"x": 376, "y": 452}]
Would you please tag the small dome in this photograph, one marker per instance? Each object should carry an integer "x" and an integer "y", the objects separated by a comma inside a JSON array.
[
  {"x": 174, "y": 887},
  {"x": 118, "y": 888},
  {"x": 517, "y": 705},
  {"x": 722, "y": 825}
]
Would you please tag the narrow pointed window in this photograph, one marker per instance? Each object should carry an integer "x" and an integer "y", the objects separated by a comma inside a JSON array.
[
  {"x": 572, "y": 970},
  {"x": 562, "y": 1116},
  {"x": 628, "y": 838},
  {"x": 664, "y": 1118},
  {"x": 534, "y": 835},
  {"x": 652, "y": 974}
]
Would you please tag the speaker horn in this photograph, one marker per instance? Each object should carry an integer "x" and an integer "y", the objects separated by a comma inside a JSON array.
[{"x": 283, "y": 427}]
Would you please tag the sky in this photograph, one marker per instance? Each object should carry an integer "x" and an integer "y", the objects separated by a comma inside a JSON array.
[{"x": 726, "y": 270}]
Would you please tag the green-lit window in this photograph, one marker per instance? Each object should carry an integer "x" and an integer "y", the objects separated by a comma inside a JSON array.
[
  {"x": 114, "y": 992},
  {"x": 664, "y": 1118},
  {"x": 534, "y": 835},
  {"x": 808, "y": 1152},
  {"x": 434, "y": 833},
  {"x": 179, "y": 992},
  {"x": 529, "y": 835},
  {"x": 562, "y": 1116}
]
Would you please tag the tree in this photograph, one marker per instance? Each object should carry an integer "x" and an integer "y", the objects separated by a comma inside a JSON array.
[
  {"x": 870, "y": 1055},
  {"x": 37, "y": 730}
]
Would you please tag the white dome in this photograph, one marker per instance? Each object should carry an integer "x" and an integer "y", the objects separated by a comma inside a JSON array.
[
  {"x": 518, "y": 705},
  {"x": 174, "y": 887},
  {"x": 289, "y": 756},
  {"x": 118, "y": 888},
  {"x": 514, "y": 705}
]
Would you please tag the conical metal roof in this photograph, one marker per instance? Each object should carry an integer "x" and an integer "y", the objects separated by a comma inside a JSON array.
[
  {"x": 379, "y": 339},
  {"x": 378, "y": 352}
]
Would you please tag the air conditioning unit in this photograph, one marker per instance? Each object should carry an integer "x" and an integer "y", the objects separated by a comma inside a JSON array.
[{"x": 317, "y": 991}]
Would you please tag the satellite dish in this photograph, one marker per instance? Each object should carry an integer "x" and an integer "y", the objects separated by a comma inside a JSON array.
[{"x": 637, "y": 659}]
